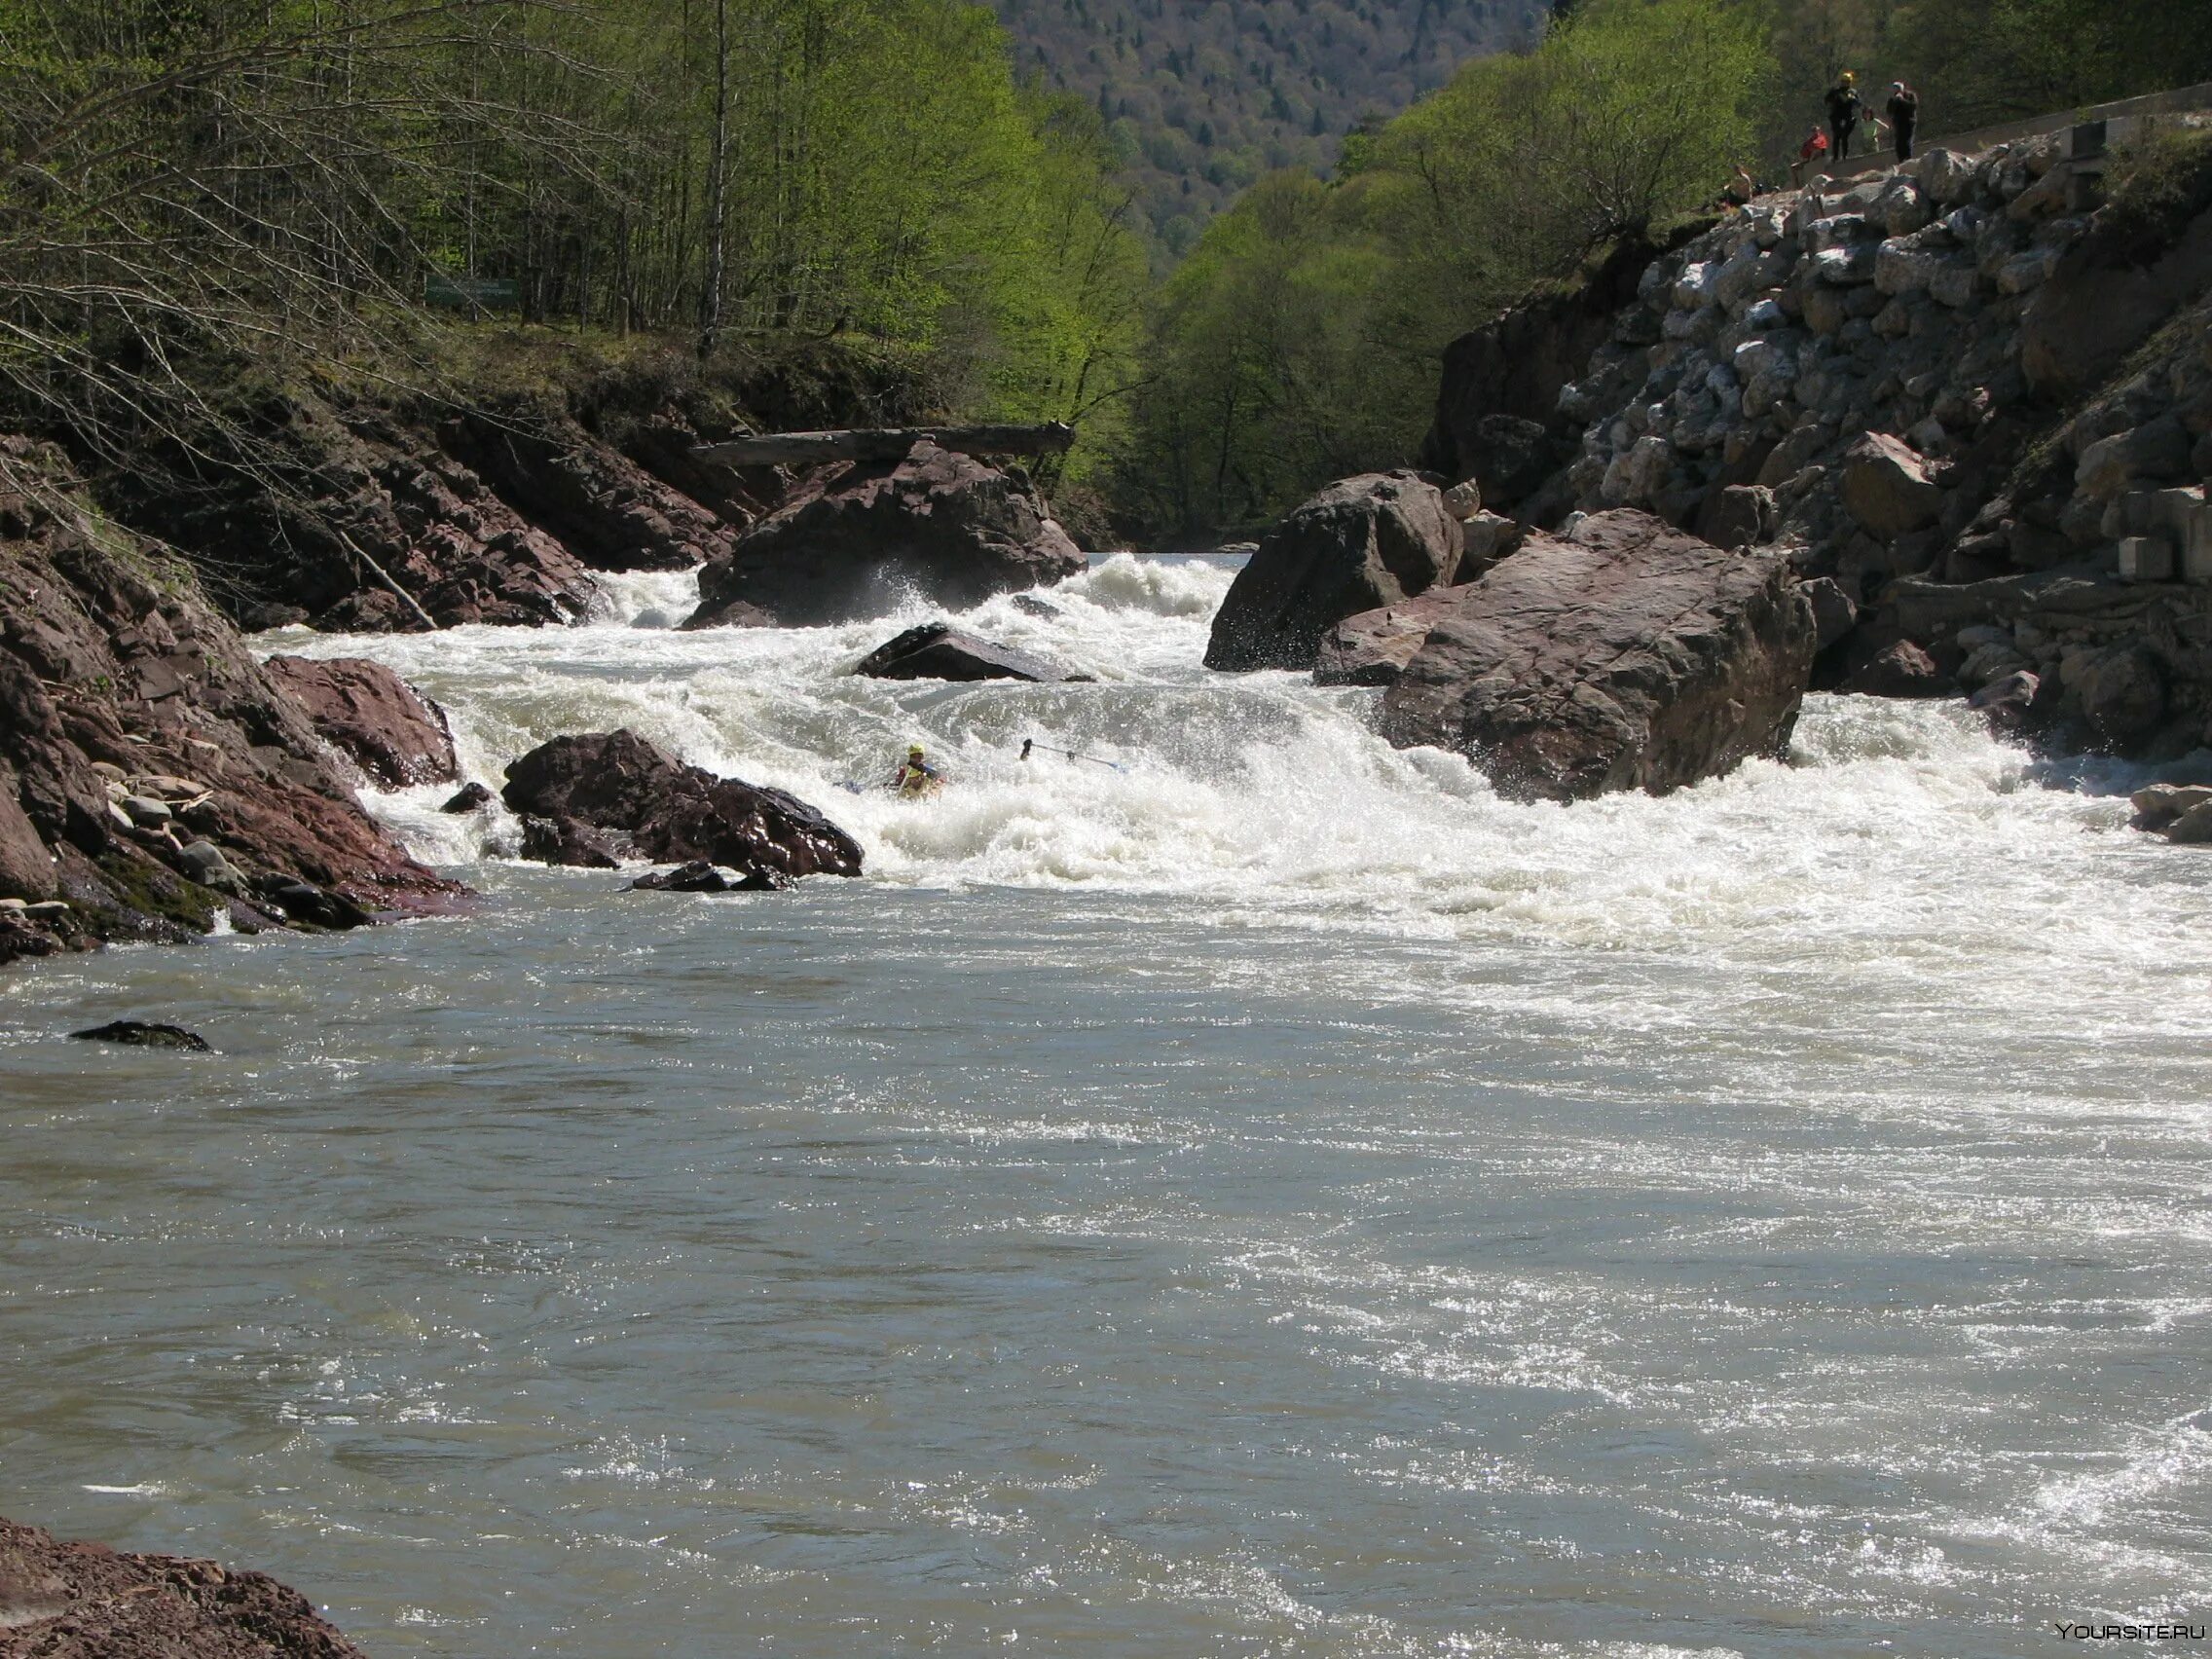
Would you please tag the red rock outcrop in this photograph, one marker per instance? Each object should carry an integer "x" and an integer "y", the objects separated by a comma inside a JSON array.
[
  {"x": 388, "y": 728},
  {"x": 79, "y": 1600},
  {"x": 150, "y": 771}
]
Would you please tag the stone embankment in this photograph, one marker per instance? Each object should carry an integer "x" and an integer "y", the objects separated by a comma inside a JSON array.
[{"x": 1964, "y": 391}]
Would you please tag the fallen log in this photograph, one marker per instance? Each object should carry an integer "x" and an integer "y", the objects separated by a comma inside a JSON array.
[{"x": 807, "y": 448}]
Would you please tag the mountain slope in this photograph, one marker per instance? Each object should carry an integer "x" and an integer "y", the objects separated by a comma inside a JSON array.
[{"x": 1206, "y": 95}]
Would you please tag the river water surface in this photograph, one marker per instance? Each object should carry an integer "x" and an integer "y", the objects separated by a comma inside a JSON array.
[{"x": 1271, "y": 1198}]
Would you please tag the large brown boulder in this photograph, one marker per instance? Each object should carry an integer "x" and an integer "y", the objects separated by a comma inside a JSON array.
[
  {"x": 1629, "y": 655},
  {"x": 668, "y": 812},
  {"x": 78, "y": 1601},
  {"x": 392, "y": 731},
  {"x": 863, "y": 538},
  {"x": 1360, "y": 544}
]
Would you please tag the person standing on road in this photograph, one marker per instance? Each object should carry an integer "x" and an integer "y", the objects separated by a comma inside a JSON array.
[
  {"x": 1904, "y": 116},
  {"x": 1845, "y": 107}
]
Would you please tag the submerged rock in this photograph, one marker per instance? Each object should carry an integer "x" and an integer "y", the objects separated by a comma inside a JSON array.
[
  {"x": 624, "y": 786},
  {"x": 1629, "y": 656},
  {"x": 1361, "y": 544},
  {"x": 139, "y": 1034},
  {"x": 862, "y": 537},
  {"x": 938, "y": 651},
  {"x": 81, "y": 1600},
  {"x": 699, "y": 876},
  {"x": 394, "y": 733},
  {"x": 469, "y": 798}
]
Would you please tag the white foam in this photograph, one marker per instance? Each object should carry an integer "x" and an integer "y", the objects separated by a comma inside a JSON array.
[{"x": 1901, "y": 842}]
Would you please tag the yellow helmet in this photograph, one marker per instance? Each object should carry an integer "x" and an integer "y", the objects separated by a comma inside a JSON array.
[
  {"x": 914, "y": 753},
  {"x": 1849, "y": 79}
]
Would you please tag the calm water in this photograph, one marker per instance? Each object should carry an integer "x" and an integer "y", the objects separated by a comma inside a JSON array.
[{"x": 1273, "y": 1200}]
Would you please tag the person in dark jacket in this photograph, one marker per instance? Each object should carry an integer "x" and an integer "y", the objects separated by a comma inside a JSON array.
[
  {"x": 1845, "y": 107},
  {"x": 1904, "y": 116}
]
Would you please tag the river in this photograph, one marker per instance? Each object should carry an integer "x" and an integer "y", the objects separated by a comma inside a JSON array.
[{"x": 1262, "y": 1196}]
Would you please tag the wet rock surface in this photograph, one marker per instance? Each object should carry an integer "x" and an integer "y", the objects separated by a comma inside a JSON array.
[
  {"x": 1362, "y": 545},
  {"x": 84, "y": 1601},
  {"x": 611, "y": 795},
  {"x": 858, "y": 538},
  {"x": 139, "y": 1034},
  {"x": 152, "y": 774},
  {"x": 392, "y": 731},
  {"x": 938, "y": 651},
  {"x": 700, "y": 876},
  {"x": 1627, "y": 656}
]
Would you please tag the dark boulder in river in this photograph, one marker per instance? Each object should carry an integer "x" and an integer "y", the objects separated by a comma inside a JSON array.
[
  {"x": 862, "y": 536},
  {"x": 672, "y": 813},
  {"x": 1361, "y": 544},
  {"x": 1626, "y": 655},
  {"x": 938, "y": 651},
  {"x": 138, "y": 1034},
  {"x": 388, "y": 728},
  {"x": 79, "y": 1601}
]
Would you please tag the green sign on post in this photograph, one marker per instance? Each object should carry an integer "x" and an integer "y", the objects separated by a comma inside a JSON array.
[{"x": 471, "y": 294}]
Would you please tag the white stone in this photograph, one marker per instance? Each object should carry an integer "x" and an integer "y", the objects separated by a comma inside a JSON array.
[
  {"x": 2146, "y": 559},
  {"x": 1947, "y": 176},
  {"x": 1766, "y": 315},
  {"x": 1636, "y": 477},
  {"x": 1693, "y": 287},
  {"x": 1843, "y": 267}
]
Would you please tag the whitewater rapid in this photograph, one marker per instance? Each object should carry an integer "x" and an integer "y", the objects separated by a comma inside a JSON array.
[{"x": 1900, "y": 839}]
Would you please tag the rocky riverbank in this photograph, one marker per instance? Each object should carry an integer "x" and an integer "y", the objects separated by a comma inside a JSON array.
[
  {"x": 79, "y": 1600},
  {"x": 153, "y": 776}
]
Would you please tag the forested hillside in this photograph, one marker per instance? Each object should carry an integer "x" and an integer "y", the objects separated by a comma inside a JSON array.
[
  {"x": 1207, "y": 96},
  {"x": 196, "y": 198}
]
